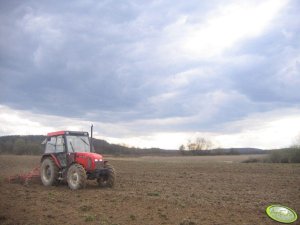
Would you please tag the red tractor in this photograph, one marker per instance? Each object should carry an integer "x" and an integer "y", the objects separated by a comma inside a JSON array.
[{"x": 68, "y": 157}]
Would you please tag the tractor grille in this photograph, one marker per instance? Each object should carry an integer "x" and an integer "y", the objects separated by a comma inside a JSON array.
[{"x": 99, "y": 164}]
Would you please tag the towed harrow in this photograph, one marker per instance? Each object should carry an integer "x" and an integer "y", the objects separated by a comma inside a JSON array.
[{"x": 25, "y": 178}]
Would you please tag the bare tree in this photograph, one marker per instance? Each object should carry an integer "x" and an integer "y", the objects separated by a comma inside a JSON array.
[
  {"x": 200, "y": 143},
  {"x": 297, "y": 141},
  {"x": 181, "y": 148}
]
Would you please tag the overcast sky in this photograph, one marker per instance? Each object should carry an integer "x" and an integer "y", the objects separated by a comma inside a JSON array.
[{"x": 153, "y": 73}]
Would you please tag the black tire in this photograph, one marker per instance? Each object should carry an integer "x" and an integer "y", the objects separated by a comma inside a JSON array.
[
  {"x": 76, "y": 177},
  {"x": 49, "y": 172},
  {"x": 109, "y": 180}
]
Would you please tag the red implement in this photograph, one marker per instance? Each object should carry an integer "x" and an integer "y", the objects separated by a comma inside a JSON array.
[{"x": 25, "y": 177}]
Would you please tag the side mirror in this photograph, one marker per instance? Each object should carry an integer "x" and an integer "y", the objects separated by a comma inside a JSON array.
[{"x": 44, "y": 141}]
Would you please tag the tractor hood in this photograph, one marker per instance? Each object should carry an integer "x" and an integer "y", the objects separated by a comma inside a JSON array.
[
  {"x": 90, "y": 155},
  {"x": 89, "y": 160}
]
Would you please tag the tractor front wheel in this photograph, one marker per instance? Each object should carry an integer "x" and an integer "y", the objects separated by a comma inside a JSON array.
[
  {"x": 49, "y": 172},
  {"x": 109, "y": 179},
  {"x": 76, "y": 177}
]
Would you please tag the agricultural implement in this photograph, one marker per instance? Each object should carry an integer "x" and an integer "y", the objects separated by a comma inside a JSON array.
[
  {"x": 68, "y": 157},
  {"x": 33, "y": 175}
]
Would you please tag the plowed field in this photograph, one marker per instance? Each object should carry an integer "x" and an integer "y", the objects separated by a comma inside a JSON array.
[{"x": 205, "y": 190}]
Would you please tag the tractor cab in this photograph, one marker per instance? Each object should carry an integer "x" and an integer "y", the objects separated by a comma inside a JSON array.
[
  {"x": 66, "y": 145},
  {"x": 67, "y": 141},
  {"x": 68, "y": 156}
]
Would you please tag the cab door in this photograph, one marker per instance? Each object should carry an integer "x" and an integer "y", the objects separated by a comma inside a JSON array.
[
  {"x": 60, "y": 151},
  {"x": 55, "y": 145}
]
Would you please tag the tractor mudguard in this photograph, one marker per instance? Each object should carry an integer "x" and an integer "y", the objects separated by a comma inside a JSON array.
[{"x": 53, "y": 157}]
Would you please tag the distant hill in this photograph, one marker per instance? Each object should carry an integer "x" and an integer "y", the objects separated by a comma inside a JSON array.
[
  {"x": 21, "y": 145},
  {"x": 31, "y": 145},
  {"x": 239, "y": 151},
  {"x": 226, "y": 151},
  {"x": 103, "y": 147}
]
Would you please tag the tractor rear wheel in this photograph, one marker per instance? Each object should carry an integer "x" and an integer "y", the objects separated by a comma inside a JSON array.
[
  {"x": 76, "y": 177},
  {"x": 49, "y": 172},
  {"x": 109, "y": 179}
]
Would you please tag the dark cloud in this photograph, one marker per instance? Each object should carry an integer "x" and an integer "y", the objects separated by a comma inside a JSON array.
[
  {"x": 105, "y": 61},
  {"x": 272, "y": 74}
]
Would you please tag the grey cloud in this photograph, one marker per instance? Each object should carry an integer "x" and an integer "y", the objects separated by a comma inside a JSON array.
[
  {"x": 102, "y": 61},
  {"x": 269, "y": 77},
  {"x": 274, "y": 78}
]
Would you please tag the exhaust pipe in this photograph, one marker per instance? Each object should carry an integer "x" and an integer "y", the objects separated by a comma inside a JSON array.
[{"x": 91, "y": 138}]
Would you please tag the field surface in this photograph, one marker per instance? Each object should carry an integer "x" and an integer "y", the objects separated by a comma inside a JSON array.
[{"x": 204, "y": 190}]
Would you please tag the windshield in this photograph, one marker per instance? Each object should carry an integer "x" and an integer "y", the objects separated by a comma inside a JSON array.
[{"x": 78, "y": 143}]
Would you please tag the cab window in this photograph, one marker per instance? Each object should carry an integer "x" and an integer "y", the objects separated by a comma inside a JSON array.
[
  {"x": 55, "y": 145},
  {"x": 50, "y": 146},
  {"x": 59, "y": 144}
]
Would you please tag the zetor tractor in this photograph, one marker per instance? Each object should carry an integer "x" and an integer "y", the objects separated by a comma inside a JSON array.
[{"x": 68, "y": 157}]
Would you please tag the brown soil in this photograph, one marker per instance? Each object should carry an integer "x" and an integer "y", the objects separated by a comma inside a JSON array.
[{"x": 155, "y": 190}]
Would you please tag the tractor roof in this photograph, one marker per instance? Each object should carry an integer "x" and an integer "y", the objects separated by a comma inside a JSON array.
[{"x": 67, "y": 132}]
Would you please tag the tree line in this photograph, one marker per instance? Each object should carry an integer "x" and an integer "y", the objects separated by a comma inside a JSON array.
[
  {"x": 31, "y": 145},
  {"x": 22, "y": 145}
]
